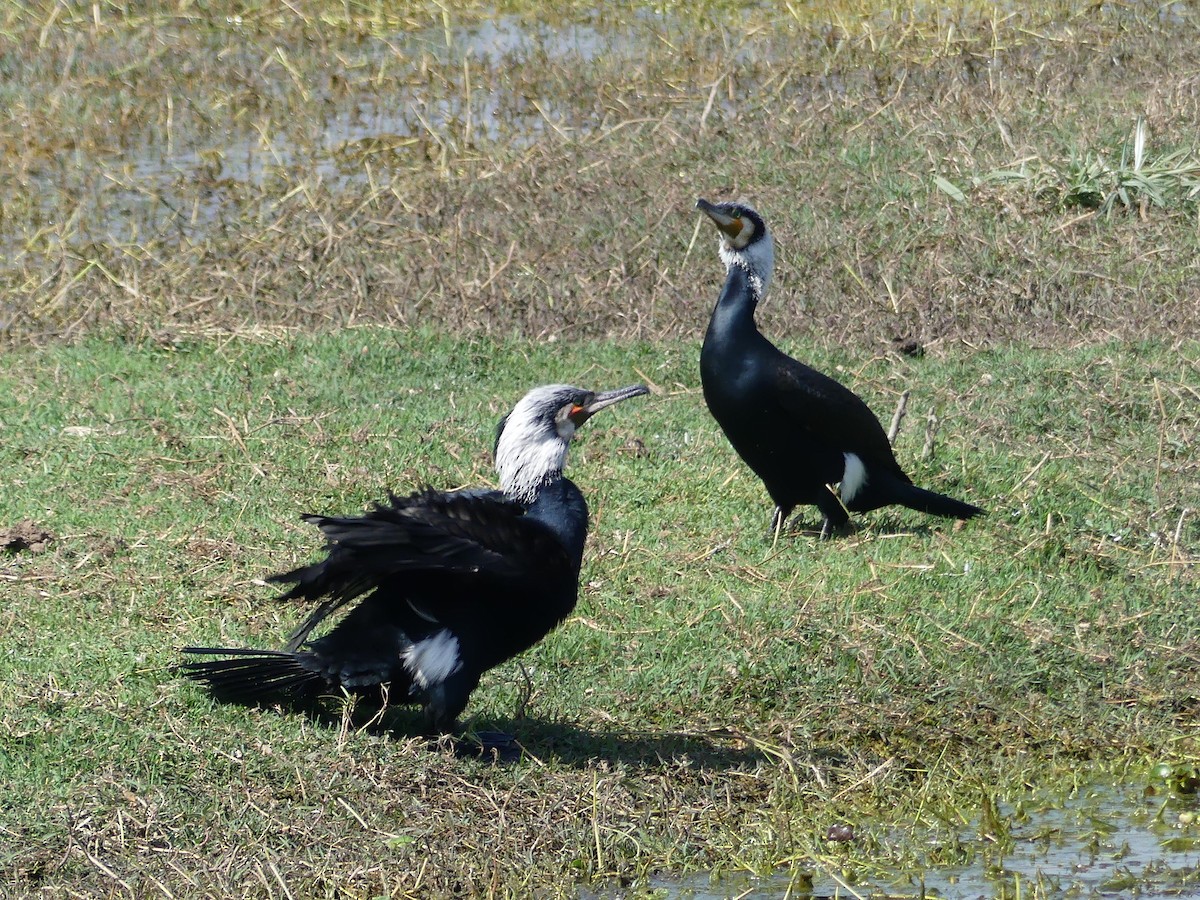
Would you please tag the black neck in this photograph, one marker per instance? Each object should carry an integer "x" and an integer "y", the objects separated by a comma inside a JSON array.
[
  {"x": 561, "y": 507},
  {"x": 735, "y": 306}
]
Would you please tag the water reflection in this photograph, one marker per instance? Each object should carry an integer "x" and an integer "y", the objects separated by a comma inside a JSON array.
[
  {"x": 508, "y": 38},
  {"x": 451, "y": 93}
]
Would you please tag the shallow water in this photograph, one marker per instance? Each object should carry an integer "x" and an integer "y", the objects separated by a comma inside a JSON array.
[
  {"x": 1106, "y": 840},
  {"x": 508, "y": 37},
  {"x": 457, "y": 85},
  {"x": 189, "y": 183}
]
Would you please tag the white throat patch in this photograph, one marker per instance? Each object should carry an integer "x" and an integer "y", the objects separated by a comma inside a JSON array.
[
  {"x": 432, "y": 660},
  {"x": 530, "y": 448},
  {"x": 758, "y": 259}
]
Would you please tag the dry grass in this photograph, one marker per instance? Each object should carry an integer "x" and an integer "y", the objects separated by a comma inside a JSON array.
[{"x": 265, "y": 168}]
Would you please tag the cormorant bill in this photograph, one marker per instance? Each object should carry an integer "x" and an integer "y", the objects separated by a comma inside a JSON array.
[
  {"x": 800, "y": 431},
  {"x": 448, "y": 585}
]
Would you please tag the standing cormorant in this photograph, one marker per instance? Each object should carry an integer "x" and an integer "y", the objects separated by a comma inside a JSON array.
[
  {"x": 800, "y": 431},
  {"x": 448, "y": 585}
]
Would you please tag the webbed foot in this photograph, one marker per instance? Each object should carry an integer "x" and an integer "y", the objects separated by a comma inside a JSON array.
[{"x": 496, "y": 746}]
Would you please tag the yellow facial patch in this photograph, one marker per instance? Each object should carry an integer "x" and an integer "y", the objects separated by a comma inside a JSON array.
[{"x": 732, "y": 228}]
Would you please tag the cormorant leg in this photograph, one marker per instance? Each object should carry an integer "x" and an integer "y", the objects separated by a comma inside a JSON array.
[
  {"x": 445, "y": 701},
  {"x": 836, "y": 516},
  {"x": 778, "y": 517}
]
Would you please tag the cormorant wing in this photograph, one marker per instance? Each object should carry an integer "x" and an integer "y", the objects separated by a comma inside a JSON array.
[
  {"x": 831, "y": 411},
  {"x": 460, "y": 534}
]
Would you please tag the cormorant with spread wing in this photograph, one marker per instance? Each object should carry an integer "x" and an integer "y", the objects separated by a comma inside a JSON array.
[
  {"x": 448, "y": 585},
  {"x": 799, "y": 430}
]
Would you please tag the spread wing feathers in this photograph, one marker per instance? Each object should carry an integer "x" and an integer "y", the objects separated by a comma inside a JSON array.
[
  {"x": 460, "y": 534},
  {"x": 833, "y": 412},
  {"x": 255, "y": 676}
]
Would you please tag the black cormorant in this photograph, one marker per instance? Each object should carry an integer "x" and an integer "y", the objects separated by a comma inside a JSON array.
[
  {"x": 448, "y": 584},
  {"x": 800, "y": 431}
]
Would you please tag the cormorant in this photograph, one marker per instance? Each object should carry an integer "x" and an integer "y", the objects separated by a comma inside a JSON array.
[
  {"x": 799, "y": 430},
  {"x": 448, "y": 585}
]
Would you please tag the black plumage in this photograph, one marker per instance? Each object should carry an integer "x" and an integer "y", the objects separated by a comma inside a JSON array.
[
  {"x": 445, "y": 585},
  {"x": 799, "y": 430}
]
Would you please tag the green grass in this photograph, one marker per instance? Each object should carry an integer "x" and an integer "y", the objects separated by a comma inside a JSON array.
[
  {"x": 711, "y": 704},
  {"x": 1131, "y": 177},
  {"x": 262, "y": 259}
]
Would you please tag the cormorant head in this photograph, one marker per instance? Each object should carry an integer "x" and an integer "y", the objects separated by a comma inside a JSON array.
[
  {"x": 745, "y": 240},
  {"x": 532, "y": 440}
]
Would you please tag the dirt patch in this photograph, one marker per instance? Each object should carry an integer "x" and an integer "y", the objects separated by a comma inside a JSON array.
[{"x": 25, "y": 536}]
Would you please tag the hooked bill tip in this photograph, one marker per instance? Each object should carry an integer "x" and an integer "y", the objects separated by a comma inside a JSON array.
[
  {"x": 605, "y": 398},
  {"x": 608, "y": 398}
]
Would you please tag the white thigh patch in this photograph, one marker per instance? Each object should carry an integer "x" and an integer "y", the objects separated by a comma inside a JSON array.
[
  {"x": 853, "y": 477},
  {"x": 433, "y": 660}
]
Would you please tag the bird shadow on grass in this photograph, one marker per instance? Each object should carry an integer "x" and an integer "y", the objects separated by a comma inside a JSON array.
[
  {"x": 565, "y": 743},
  {"x": 577, "y": 745},
  {"x": 882, "y": 527}
]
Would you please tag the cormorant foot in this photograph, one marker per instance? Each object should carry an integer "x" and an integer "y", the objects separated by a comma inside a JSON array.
[
  {"x": 829, "y": 530},
  {"x": 496, "y": 746}
]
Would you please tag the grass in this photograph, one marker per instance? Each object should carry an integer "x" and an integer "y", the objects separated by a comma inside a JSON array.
[
  {"x": 1136, "y": 180},
  {"x": 259, "y": 260},
  {"x": 711, "y": 704},
  {"x": 335, "y": 164}
]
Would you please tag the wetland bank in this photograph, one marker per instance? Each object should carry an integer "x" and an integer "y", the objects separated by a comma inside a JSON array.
[{"x": 262, "y": 260}]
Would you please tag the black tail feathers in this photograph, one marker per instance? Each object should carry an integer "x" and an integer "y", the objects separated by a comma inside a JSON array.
[
  {"x": 884, "y": 489},
  {"x": 255, "y": 677},
  {"x": 936, "y": 504}
]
